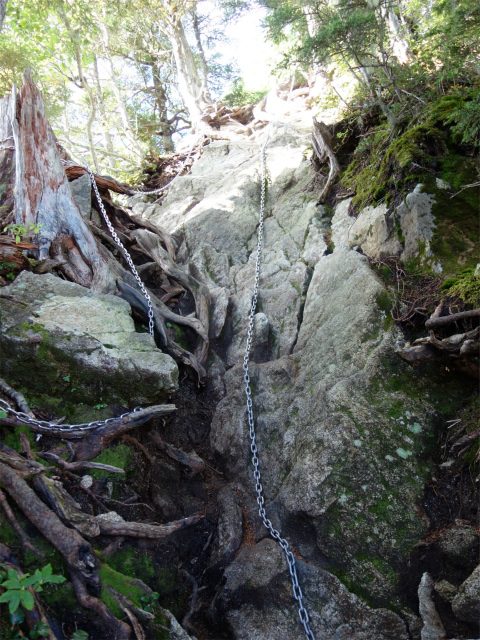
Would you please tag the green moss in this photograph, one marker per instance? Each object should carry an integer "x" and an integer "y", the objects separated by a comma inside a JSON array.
[
  {"x": 465, "y": 286},
  {"x": 121, "y": 583},
  {"x": 385, "y": 166},
  {"x": 61, "y": 597},
  {"x": 384, "y": 301},
  {"x": 353, "y": 585},
  {"x": 11, "y": 437},
  {"x": 119, "y": 455},
  {"x": 134, "y": 563},
  {"x": 179, "y": 334}
]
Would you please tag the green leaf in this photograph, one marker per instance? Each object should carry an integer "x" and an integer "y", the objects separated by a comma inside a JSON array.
[
  {"x": 41, "y": 630},
  {"x": 30, "y": 581},
  {"x": 47, "y": 570},
  {"x": 5, "y": 597},
  {"x": 79, "y": 634},
  {"x": 14, "y": 602},
  {"x": 55, "y": 579},
  {"x": 27, "y": 599},
  {"x": 3, "y": 414},
  {"x": 12, "y": 583}
]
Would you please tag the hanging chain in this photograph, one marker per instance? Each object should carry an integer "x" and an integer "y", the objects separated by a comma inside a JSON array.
[
  {"x": 152, "y": 192},
  {"x": 46, "y": 426},
  {"x": 128, "y": 257},
  {"x": 292, "y": 566}
]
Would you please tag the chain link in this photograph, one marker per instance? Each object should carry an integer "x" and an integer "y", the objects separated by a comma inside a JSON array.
[
  {"x": 289, "y": 557},
  {"x": 46, "y": 426},
  {"x": 128, "y": 257},
  {"x": 152, "y": 192}
]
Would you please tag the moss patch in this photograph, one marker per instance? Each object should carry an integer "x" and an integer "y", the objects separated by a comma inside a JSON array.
[
  {"x": 379, "y": 481},
  {"x": 121, "y": 583},
  {"x": 385, "y": 164},
  {"x": 118, "y": 455},
  {"x": 466, "y": 286}
]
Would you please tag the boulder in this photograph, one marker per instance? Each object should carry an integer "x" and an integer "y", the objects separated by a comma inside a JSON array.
[
  {"x": 82, "y": 346},
  {"x": 460, "y": 545},
  {"x": 466, "y": 604},
  {"x": 259, "y": 575}
]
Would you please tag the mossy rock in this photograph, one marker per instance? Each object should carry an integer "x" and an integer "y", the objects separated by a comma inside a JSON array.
[
  {"x": 386, "y": 165},
  {"x": 393, "y": 451},
  {"x": 71, "y": 347}
]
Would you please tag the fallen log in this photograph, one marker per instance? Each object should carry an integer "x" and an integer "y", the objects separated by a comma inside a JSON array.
[
  {"x": 76, "y": 552},
  {"x": 120, "y": 527}
]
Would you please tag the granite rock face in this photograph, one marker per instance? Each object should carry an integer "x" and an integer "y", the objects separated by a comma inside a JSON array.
[
  {"x": 82, "y": 345},
  {"x": 466, "y": 604},
  {"x": 405, "y": 231},
  {"x": 343, "y": 424},
  {"x": 259, "y": 575}
]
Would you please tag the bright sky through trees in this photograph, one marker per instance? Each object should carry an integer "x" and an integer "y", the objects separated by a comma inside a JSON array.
[{"x": 247, "y": 45}]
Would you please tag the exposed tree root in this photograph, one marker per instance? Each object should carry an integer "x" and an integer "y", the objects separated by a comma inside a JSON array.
[{"x": 323, "y": 149}]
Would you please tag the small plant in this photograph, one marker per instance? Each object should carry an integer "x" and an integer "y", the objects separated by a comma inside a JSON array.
[
  {"x": 239, "y": 96},
  {"x": 21, "y": 231},
  {"x": 465, "y": 286},
  {"x": 149, "y": 600},
  {"x": 7, "y": 269},
  {"x": 18, "y": 588},
  {"x": 40, "y": 630}
]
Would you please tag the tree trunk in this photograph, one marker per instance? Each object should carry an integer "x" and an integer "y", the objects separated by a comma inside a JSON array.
[
  {"x": 103, "y": 111},
  {"x": 3, "y": 11},
  {"x": 400, "y": 47},
  {"x": 201, "y": 51},
  {"x": 161, "y": 100},
  {"x": 190, "y": 85},
  {"x": 7, "y": 166},
  {"x": 42, "y": 193},
  {"x": 122, "y": 109}
]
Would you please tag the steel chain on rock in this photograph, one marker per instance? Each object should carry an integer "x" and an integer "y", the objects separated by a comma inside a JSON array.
[
  {"x": 128, "y": 257},
  {"x": 292, "y": 566}
]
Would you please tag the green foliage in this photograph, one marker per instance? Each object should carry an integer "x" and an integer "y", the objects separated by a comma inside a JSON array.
[
  {"x": 239, "y": 96},
  {"x": 22, "y": 231},
  {"x": 79, "y": 634},
  {"x": 7, "y": 269},
  {"x": 118, "y": 455},
  {"x": 149, "y": 601},
  {"x": 18, "y": 588},
  {"x": 386, "y": 164},
  {"x": 465, "y": 119},
  {"x": 40, "y": 630}
]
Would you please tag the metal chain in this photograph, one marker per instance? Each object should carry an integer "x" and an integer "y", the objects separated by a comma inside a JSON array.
[
  {"x": 46, "y": 426},
  {"x": 128, "y": 257},
  {"x": 292, "y": 566},
  {"x": 152, "y": 192}
]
